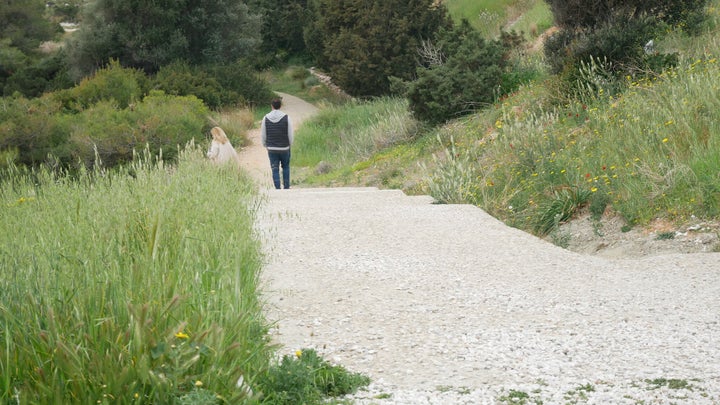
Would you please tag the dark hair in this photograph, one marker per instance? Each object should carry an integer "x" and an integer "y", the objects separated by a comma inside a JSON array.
[{"x": 276, "y": 103}]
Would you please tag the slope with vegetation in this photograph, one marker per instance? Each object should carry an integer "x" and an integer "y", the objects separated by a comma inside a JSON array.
[{"x": 638, "y": 141}]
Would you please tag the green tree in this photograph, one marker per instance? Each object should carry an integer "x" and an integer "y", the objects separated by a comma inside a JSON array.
[
  {"x": 24, "y": 24},
  {"x": 615, "y": 32},
  {"x": 588, "y": 14},
  {"x": 148, "y": 34},
  {"x": 283, "y": 24},
  {"x": 364, "y": 42},
  {"x": 463, "y": 73}
]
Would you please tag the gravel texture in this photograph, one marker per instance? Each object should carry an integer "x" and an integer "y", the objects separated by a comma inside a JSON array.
[{"x": 443, "y": 304}]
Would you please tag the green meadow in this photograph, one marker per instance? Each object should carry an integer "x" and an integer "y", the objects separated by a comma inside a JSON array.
[{"x": 130, "y": 286}]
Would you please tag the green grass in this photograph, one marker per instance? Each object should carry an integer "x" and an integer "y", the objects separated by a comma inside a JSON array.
[
  {"x": 491, "y": 16},
  {"x": 647, "y": 152},
  {"x": 342, "y": 135},
  {"x": 135, "y": 286},
  {"x": 298, "y": 81}
]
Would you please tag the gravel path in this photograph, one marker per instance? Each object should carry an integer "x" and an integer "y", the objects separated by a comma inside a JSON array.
[{"x": 443, "y": 304}]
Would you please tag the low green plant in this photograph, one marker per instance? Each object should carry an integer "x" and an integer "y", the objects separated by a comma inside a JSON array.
[
  {"x": 579, "y": 394},
  {"x": 671, "y": 383},
  {"x": 306, "y": 378},
  {"x": 665, "y": 236},
  {"x": 517, "y": 397},
  {"x": 559, "y": 208}
]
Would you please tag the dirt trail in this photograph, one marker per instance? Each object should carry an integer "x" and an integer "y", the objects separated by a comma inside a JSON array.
[
  {"x": 254, "y": 158},
  {"x": 443, "y": 304}
]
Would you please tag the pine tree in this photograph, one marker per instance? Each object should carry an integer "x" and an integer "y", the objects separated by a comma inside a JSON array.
[{"x": 364, "y": 42}]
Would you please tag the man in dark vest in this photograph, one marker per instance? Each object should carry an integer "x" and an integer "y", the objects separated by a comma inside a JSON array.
[{"x": 277, "y": 137}]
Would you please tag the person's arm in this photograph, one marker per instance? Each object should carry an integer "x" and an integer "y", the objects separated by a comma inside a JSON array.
[
  {"x": 214, "y": 150},
  {"x": 263, "y": 133},
  {"x": 290, "y": 131}
]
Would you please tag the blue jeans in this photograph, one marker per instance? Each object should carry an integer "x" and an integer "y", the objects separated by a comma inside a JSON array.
[{"x": 277, "y": 159}]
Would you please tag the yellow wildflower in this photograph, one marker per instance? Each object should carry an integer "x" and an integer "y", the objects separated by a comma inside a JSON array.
[{"x": 181, "y": 335}]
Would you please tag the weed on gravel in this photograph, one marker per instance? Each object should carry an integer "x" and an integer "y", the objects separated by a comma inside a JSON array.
[{"x": 306, "y": 378}]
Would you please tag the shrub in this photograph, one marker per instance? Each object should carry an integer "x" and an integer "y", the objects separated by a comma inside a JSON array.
[
  {"x": 162, "y": 122},
  {"x": 466, "y": 78},
  {"x": 33, "y": 128},
  {"x": 32, "y": 80},
  {"x": 241, "y": 84},
  {"x": 114, "y": 83},
  {"x": 180, "y": 79},
  {"x": 306, "y": 378},
  {"x": 217, "y": 85}
]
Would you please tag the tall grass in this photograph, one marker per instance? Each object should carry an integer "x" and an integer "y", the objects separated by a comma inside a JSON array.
[
  {"x": 132, "y": 286},
  {"x": 489, "y": 16},
  {"x": 650, "y": 152},
  {"x": 354, "y": 131}
]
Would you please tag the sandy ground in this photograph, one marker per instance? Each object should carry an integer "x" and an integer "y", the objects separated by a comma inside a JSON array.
[{"x": 443, "y": 304}]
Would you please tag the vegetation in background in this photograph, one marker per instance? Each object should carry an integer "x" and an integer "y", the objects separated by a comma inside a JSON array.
[
  {"x": 147, "y": 35},
  {"x": 127, "y": 289},
  {"x": 645, "y": 152},
  {"x": 227, "y": 86},
  {"x": 620, "y": 34},
  {"x": 341, "y": 135},
  {"x": 491, "y": 17},
  {"x": 463, "y": 73},
  {"x": 283, "y": 27},
  {"x": 362, "y": 45},
  {"x": 106, "y": 116}
]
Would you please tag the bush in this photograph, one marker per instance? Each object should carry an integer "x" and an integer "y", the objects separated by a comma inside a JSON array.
[
  {"x": 469, "y": 76},
  {"x": 306, "y": 379},
  {"x": 34, "y": 130},
  {"x": 114, "y": 83},
  {"x": 599, "y": 60},
  {"x": 241, "y": 84},
  {"x": 180, "y": 79},
  {"x": 217, "y": 85},
  {"x": 32, "y": 80},
  {"x": 162, "y": 122}
]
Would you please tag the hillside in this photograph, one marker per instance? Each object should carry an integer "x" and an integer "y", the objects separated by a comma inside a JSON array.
[{"x": 632, "y": 200}]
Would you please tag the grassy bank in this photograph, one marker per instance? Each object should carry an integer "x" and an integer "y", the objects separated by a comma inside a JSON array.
[
  {"x": 537, "y": 156},
  {"x": 137, "y": 288},
  {"x": 529, "y": 16}
]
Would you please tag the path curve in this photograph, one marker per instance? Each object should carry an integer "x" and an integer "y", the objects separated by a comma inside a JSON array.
[{"x": 444, "y": 304}]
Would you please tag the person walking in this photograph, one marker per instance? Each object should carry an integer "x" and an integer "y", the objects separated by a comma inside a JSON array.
[
  {"x": 221, "y": 150},
  {"x": 276, "y": 132}
]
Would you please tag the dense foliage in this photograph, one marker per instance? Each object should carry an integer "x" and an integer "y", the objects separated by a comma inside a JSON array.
[
  {"x": 617, "y": 32},
  {"x": 363, "y": 43},
  {"x": 228, "y": 85},
  {"x": 23, "y": 25},
  {"x": 464, "y": 74},
  {"x": 106, "y": 117},
  {"x": 588, "y": 14},
  {"x": 23, "y": 67},
  {"x": 283, "y": 24},
  {"x": 148, "y": 35}
]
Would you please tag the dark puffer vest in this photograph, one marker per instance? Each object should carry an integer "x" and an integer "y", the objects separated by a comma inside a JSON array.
[{"x": 277, "y": 133}]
